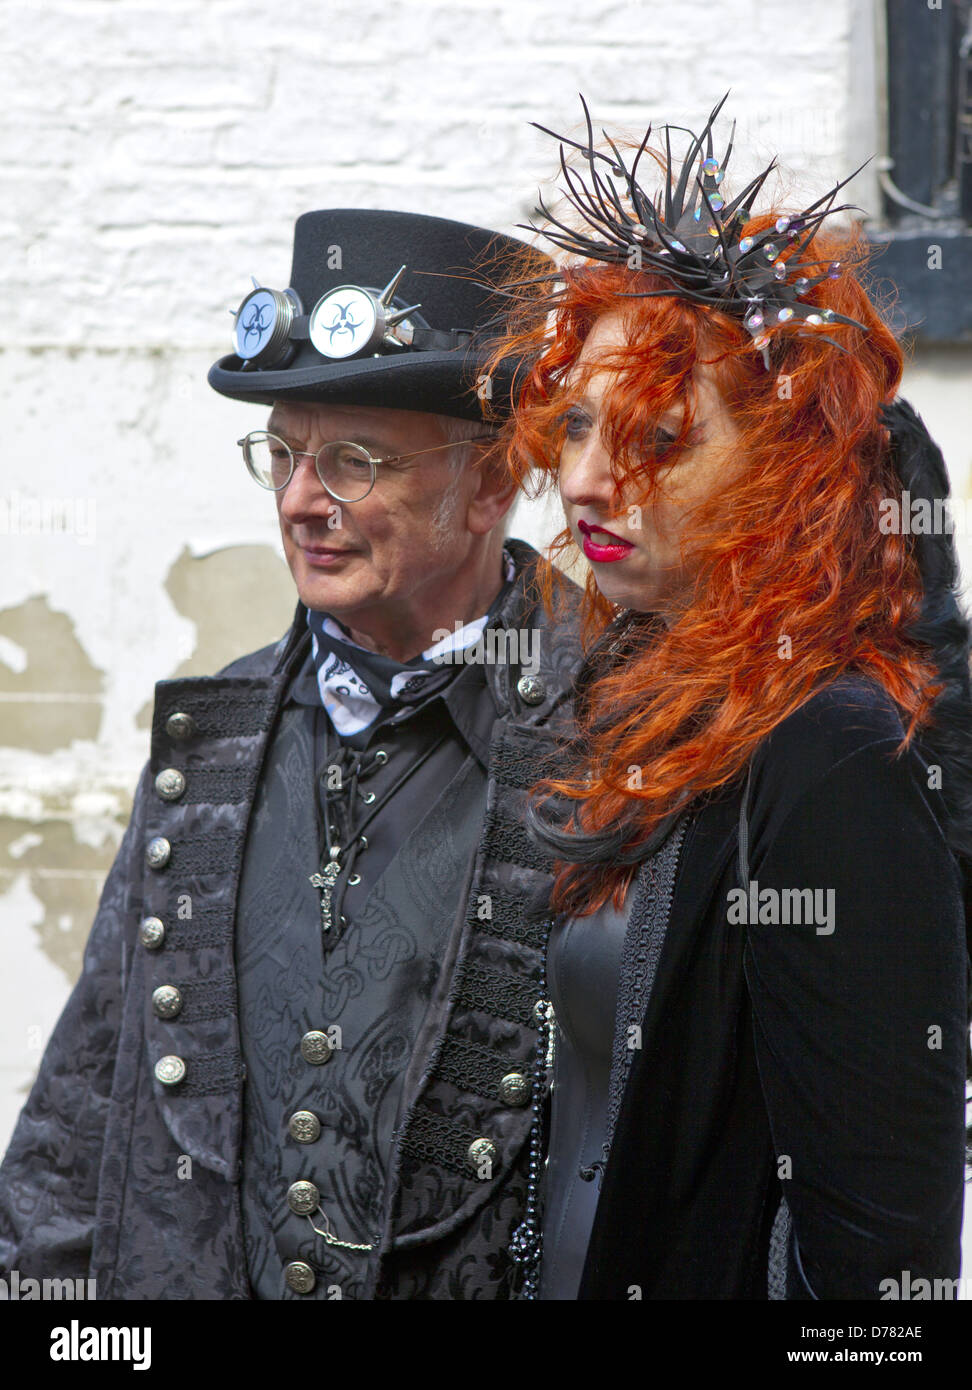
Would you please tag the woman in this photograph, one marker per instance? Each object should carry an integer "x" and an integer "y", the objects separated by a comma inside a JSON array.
[{"x": 762, "y": 832}]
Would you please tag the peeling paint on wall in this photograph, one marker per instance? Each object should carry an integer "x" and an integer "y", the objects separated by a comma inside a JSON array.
[
  {"x": 240, "y": 598},
  {"x": 50, "y": 693},
  {"x": 65, "y": 877}
]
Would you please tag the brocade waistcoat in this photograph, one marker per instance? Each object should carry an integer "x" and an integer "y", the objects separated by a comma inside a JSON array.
[{"x": 366, "y": 986}]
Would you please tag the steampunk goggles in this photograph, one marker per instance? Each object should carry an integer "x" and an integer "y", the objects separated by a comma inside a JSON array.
[{"x": 349, "y": 321}]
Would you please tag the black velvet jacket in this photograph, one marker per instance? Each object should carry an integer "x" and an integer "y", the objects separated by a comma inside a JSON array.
[
  {"x": 820, "y": 1064},
  {"x": 821, "y": 1061}
]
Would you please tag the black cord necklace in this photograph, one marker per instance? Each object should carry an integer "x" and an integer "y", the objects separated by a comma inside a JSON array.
[{"x": 336, "y": 855}]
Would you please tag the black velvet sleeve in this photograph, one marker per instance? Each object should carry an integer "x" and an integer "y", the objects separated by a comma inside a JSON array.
[{"x": 860, "y": 1024}]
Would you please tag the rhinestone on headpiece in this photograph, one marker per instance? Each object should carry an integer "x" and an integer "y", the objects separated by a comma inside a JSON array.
[{"x": 692, "y": 236}]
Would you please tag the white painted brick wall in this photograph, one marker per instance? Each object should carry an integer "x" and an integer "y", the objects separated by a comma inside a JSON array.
[{"x": 153, "y": 155}]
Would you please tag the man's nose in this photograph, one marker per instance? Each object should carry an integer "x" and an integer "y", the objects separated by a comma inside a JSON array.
[{"x": 305, "y": 493}]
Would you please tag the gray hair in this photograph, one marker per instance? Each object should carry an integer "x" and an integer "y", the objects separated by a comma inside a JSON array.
[{"x": 458, "y": 432}]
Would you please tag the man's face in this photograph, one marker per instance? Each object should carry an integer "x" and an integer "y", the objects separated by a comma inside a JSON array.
[{"x": 397, "y": 549}]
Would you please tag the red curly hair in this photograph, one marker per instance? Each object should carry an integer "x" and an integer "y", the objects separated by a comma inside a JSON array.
[{"x": 790, "y": 547}]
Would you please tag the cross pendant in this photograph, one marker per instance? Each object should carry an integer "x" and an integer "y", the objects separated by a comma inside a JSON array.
[{"x": 325, "y": 882}]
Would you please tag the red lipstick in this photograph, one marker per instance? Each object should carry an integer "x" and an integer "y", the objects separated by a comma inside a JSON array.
[{"x": 599, "y": 551}]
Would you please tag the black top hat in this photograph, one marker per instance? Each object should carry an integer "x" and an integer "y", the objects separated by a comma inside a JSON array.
[{"x": 383, "y": 309}]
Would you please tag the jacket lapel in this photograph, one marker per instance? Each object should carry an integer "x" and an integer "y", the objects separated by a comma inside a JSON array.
[{"x": 709, "y": 840}]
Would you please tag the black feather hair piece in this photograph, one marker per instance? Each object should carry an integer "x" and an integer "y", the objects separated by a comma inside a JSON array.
[{"x": 692, "y": 237}]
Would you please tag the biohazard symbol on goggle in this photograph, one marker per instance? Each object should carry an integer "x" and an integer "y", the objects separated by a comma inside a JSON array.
[
  {"x": 343, "y": 323},
  {"x": 256, "y": 323}
]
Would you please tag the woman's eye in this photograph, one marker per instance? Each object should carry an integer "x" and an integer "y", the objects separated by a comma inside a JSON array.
[
  {"x": 576, "y": 423},
  {"x": 660, "y": 442}
]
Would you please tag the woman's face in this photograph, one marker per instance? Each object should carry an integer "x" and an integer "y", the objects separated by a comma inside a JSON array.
[{"x": 634, "y": 550}]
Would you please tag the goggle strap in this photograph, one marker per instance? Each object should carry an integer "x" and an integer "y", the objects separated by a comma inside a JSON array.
[{"x": 423, "y": 339}]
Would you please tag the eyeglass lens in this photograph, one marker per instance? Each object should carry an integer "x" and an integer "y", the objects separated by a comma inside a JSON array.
[{"x": 345, "y": 469}]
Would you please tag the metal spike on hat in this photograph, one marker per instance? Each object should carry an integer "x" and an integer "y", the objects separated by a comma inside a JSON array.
[
  {"x": 696, "y": 242},
  {"x": 388, "y": 293}
]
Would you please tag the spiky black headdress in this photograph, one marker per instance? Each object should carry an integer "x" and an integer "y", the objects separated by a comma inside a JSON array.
[{"x": 697, "y": 244}]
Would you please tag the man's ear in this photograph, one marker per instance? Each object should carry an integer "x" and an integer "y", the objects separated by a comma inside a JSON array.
[{"x": 494, "y": 492}]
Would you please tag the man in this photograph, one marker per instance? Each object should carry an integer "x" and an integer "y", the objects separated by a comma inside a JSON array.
[{"x": 298, "y": 1062}]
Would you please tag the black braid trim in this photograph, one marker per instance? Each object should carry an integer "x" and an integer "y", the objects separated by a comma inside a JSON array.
[
  {"x": 205, "y": 1000},
  {"x": 643, "y": 941},
  {"x": 213, "y": 1074},
  {"x": 218, "y": 786},
  {"x": 778, "y": 1253},
  {"x": 494, "y": 992},
  {"x": 437, "y": 1140},
  {"x": 508, "y": 921},
  {"x": 507, "y": 840},
  {"x": 516, "y": 760},
  {"x": 217, "y": 714},
  {"x": 206, "y": 927},
  {"x": 214, "y": 853},
  {"x": 470, "y": 1067}
]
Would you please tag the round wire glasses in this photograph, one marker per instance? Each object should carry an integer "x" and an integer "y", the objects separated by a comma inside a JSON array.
[{"x": 347, "y": 471}]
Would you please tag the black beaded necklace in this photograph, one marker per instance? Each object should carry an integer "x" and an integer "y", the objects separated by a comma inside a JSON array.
[{"x": 526, "y": 1244}]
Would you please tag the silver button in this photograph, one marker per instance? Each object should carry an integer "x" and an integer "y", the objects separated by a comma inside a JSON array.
[
  {"x": 515, "y": 1088},
  {"x": 304, "y": 1126},
  {"x": 170, "y": 1070},
  {"x": 170, "y": 784},
  {"x": 481, "y": 1151},
  {"x": 381, "y": 756},
  {"x": 315, "y": 1047},
  {"x": 531, "y": 690},
  {"x": 303, "y": 1198},
  {"x": 180, "y": 726},
  {"x": 167, "y": 1001},
  {"x": 158, "y": 853},
  {"x": 300, "y": 1277},
  {"x": 540, "y": 1011},
  {"x": 151, "y": 933}
]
